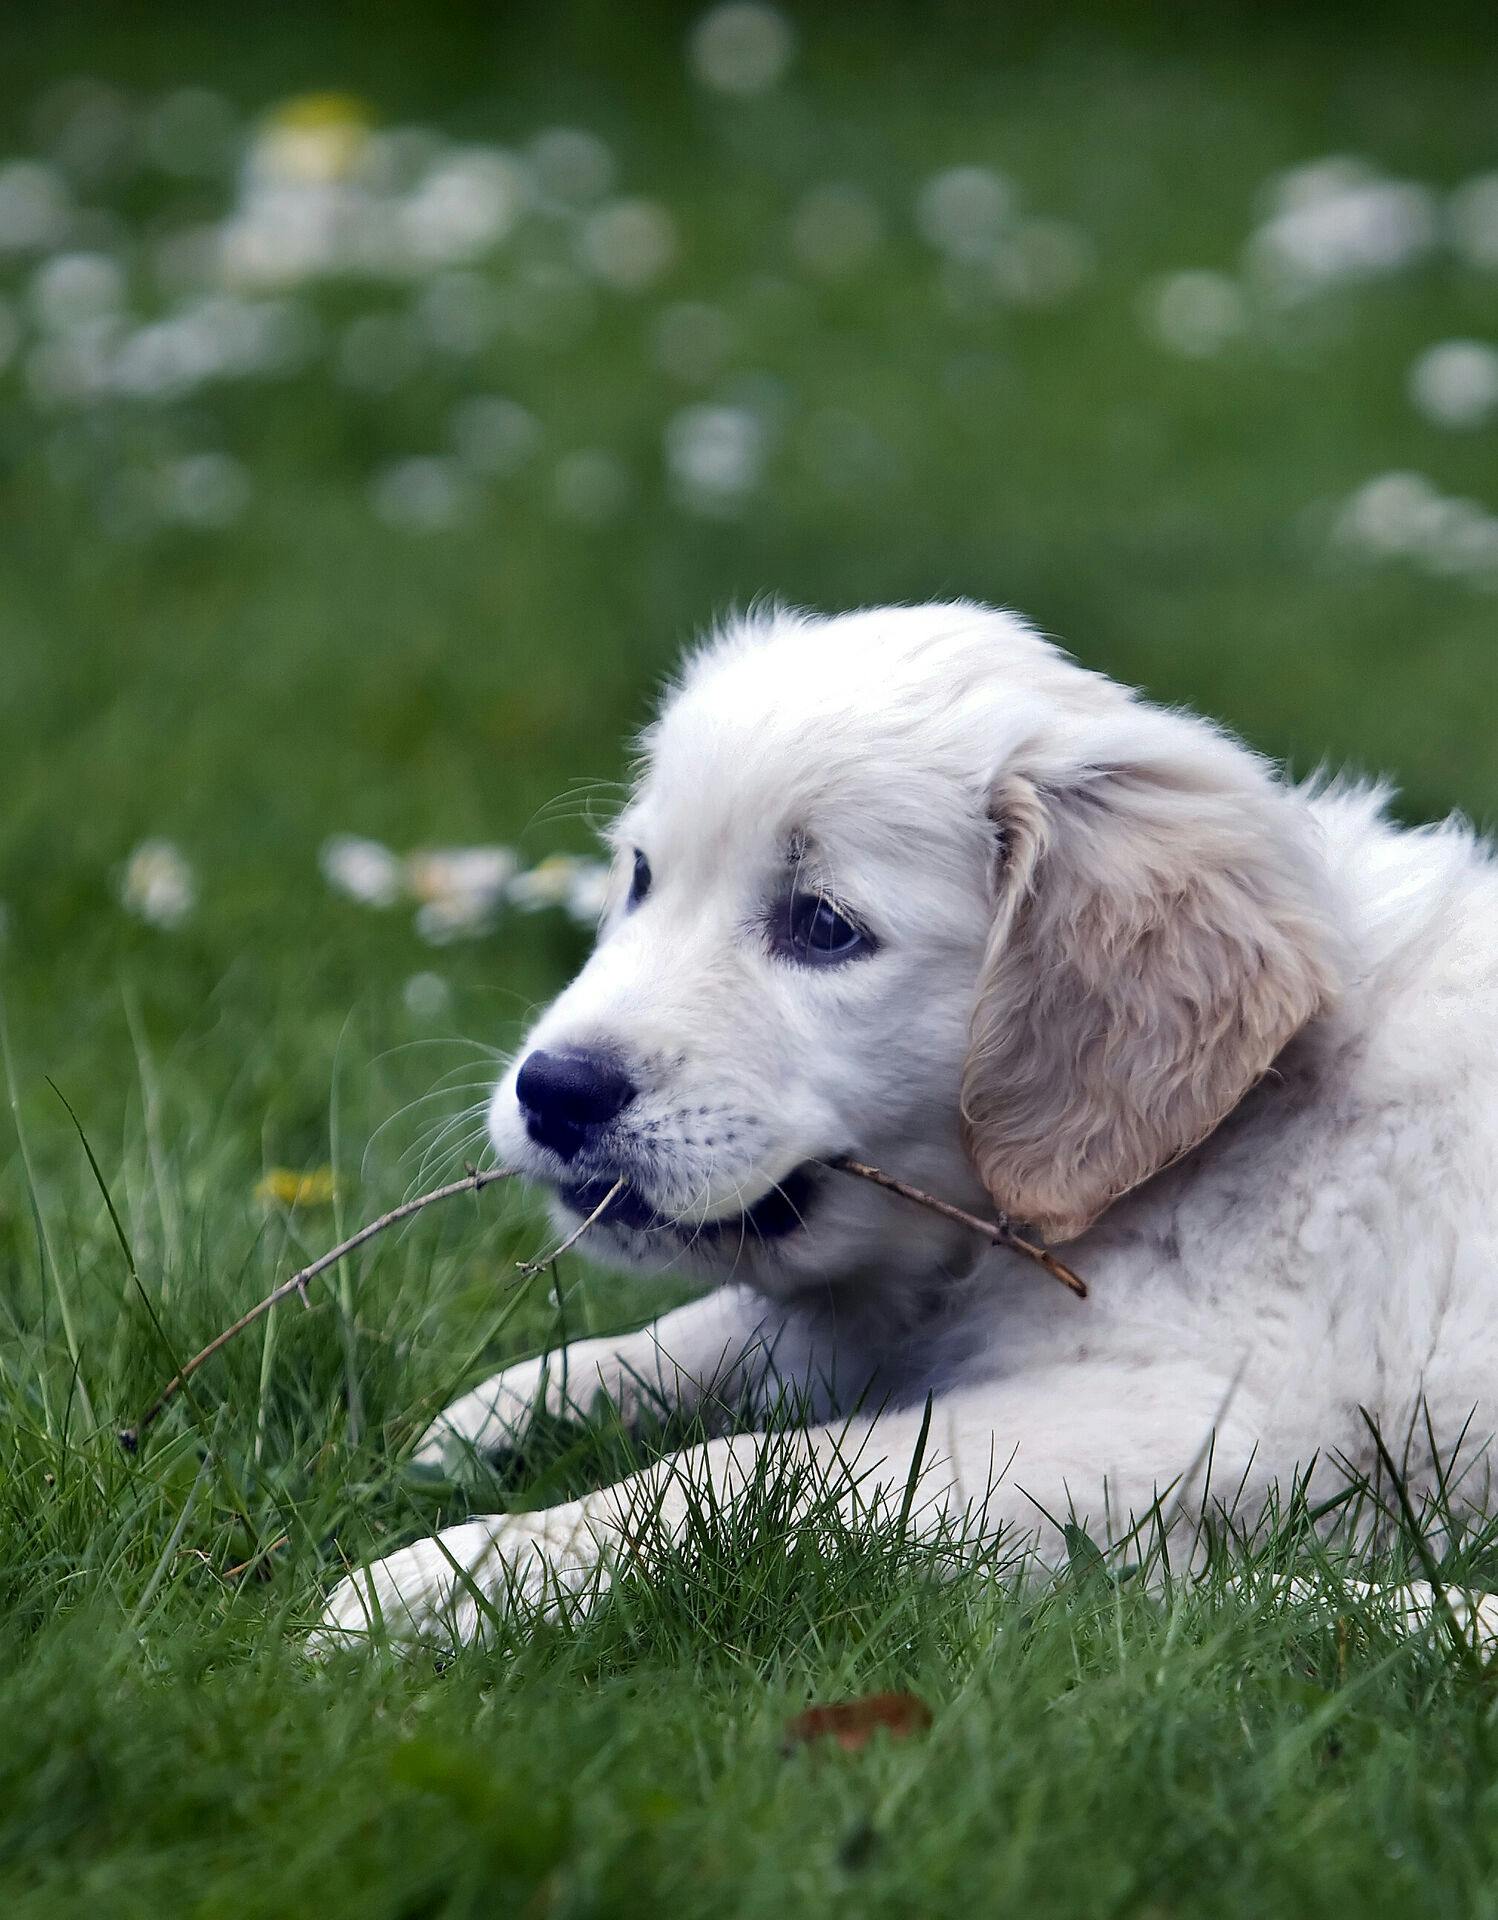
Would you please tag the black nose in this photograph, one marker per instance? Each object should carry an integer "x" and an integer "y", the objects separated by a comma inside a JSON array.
[{"x": 569, "y": 1097}]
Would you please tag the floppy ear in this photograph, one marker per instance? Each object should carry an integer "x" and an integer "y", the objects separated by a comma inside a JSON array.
[{"x": 1163, "y": 928}]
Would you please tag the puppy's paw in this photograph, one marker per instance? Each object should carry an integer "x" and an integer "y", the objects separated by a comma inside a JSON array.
[
  {"x": 461, "y": 1584},
  {"x": 490, "y": 1419}
]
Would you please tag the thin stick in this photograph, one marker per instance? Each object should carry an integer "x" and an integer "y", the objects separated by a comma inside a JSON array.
[
  {"x": 530, "y": 1268},
  {"x": 998, "y": 1230},
  {"x": 471, "y": 1182}
]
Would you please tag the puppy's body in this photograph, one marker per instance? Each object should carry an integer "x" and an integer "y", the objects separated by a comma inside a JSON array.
[{"x": 1089, "y": 961}]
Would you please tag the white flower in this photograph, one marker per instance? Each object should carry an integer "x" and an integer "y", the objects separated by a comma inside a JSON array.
[
  {"x": 362, "y": 869},
  {"x": 544, "y": 885},
  {"x": 1455, "y": 384},
  {"x": 34, "y": 209},
  {"x": 157, "y": 884},
  {"x": 1195, "y": 313},
  {"x": 207, "y": 490},
  {"x": 714, "y": 456},
  {"x": 587, "y": 891},
  {"x": 963, "y": 211},
  {"x": 1338, "y": 222},
  {"x": 1402, "y": 516},
  {"x": 461, "y": 890},
  {"x": 1474, "y": 221},
  {"x": 1040, "y": 263},
  {"x": 424, "y": 495},
  {"x": 492, "y": 435},
  {"x": 71, "y": 289},
  {"x": 628, "y": 244},
  {"x": 741, "y": 47},
  {"x": 466, "y": 204},
  {"x": 426, "y": 995},
  {"x": 571, "y": 165}
]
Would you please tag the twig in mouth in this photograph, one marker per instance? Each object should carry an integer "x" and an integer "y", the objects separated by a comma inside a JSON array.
[
  {"x": 530, "y": 1268},
  {"x": 998, "y": 1230},
  {"x": 472, "y": 1182}
]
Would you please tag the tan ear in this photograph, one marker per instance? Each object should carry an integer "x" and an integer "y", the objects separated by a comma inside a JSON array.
[{"x": 1163, "y": 928}]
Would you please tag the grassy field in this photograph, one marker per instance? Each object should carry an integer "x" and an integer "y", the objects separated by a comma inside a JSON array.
[{"x": 889, "y": 302}]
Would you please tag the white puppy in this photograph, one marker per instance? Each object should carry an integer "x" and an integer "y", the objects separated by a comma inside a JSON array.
[{"x": 911, "y": 885}]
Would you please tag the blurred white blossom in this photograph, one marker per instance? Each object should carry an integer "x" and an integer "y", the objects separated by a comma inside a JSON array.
[
  {"x": 628, "y": 244},
  {"x": 714, "y": 457},
  {"x": 460, "y": 890},
  {"x": 571, "y": 881},
  {"x": 965, "y": 210},
  {"x": 157, "y": 885},
  {"x": 1404, "y": 516},
  {"x": 426, "y": 494},
  {"x": 1040, "y": 263},
  {"x": 1195, "y": 313},
  {"x": 741, "y": 48},
  {"x": 362, "y": 869},
  {"x": 492, "y": 435},
  {"x": 426, "y": 995},
  {"x": 205, "y": 490},
  {"x": 34, "y": 207},
  {"x": 572, "y": 167},
  {"x": 1340, "y": 220},
  {"x": 1455, "y": 384},
  {"x": 70, "y": 289},
  {"x": 1473, "y": 213}
]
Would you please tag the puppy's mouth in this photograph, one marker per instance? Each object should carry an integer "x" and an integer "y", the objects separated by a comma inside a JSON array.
[{"x": 774, "y": 1215}]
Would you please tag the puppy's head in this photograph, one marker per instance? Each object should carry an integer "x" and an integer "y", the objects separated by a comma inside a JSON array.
[{"x": 910, "y": 885}]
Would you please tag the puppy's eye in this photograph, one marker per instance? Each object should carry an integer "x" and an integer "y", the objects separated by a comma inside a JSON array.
[
  {"x": 810, "y": 930},
  {"x": 639, "y": 884}
]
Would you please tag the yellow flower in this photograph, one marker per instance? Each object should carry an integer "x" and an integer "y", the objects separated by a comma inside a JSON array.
[
  {"x": 285, "y": 1187},
  {"x": 314, "y": 139}
]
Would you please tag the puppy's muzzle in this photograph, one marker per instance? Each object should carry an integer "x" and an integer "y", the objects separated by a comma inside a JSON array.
[{"x": 569, "y": 1097}]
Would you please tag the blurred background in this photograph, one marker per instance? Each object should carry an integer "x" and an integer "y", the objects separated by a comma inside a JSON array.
[{"x": 387, "y": 393}]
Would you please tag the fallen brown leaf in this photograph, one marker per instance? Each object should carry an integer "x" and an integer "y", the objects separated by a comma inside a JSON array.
[{"x": 853, "y": 1723}]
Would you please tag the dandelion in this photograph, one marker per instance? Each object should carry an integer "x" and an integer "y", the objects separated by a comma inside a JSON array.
[
  {"x": 157, "y": 885},
  {"x": 285, "y": 1187},
  {"x": 741, "y": 48}
]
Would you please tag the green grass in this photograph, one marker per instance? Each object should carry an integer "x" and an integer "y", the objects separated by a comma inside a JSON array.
[{"x": 1097, "y": 1749}]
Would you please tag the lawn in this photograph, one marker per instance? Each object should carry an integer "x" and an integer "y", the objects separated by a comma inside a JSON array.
[{"x": 384, "y": 399}]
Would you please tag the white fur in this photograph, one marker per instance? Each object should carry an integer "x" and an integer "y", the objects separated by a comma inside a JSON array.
[{"x": 1099, "y": 925}]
